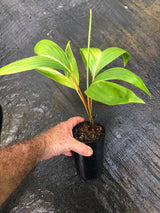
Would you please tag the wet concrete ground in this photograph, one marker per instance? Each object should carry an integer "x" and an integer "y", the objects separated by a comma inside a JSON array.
[{"x": 32, "y": 103}]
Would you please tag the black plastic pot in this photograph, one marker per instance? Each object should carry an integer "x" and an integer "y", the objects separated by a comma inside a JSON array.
[{"x": 91, "y": 167}]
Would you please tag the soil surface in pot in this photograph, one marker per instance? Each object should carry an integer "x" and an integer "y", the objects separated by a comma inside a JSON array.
[{"x": 85, "y": 133}]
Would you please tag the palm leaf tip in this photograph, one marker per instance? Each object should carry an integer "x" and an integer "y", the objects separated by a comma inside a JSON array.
[{"x": 126, "y": 57}]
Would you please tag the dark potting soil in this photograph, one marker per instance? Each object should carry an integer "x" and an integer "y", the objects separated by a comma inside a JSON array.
[{"x": 85, "y": 133}]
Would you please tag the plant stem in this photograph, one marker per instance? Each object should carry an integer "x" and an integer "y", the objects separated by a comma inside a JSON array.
[
  {"x": 89, "y": 41},
  {"x": 81, "y": 96},
  {"x": 89, "y": 101}
]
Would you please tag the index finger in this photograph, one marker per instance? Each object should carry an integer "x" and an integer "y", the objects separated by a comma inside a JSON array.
[{"x": 74, "y": 121}]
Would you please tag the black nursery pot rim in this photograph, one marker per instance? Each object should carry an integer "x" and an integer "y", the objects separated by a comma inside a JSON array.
[{"x": 92, "y": 141}]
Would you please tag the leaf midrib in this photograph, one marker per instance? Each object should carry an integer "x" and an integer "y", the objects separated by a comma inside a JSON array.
[
  {"x": 97, "y": 63},
  {"x": 58, "y": 62}
]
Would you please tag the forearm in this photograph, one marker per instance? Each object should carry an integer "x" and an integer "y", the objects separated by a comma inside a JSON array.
[{"x": 16, "y": 162}]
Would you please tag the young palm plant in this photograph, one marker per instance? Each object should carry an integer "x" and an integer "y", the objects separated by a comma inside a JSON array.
[{"x": 50, "y": 60}]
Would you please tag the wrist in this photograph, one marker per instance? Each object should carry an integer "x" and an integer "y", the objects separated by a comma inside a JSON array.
[
  {"x": 38, "y": 144},
  {"x": 48, "y": 145}
]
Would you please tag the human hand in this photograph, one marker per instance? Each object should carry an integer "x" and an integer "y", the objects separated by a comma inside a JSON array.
[{"x": 59, "y": 140}]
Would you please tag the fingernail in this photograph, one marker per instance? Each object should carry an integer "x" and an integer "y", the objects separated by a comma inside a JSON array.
[{"x": 90, "y": 152}]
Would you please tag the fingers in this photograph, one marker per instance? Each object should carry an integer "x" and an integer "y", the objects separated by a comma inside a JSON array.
[{"x": 81, "y": 148}]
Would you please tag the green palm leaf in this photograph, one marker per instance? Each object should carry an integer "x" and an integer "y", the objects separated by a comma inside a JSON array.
[
  {"x": 94, "y": 56},
  {"x": 99, "y": 59},
  {"x": 72, "y": 62},
  {"x": 118, "y": 73},
  {"x": 52, "y": 50},
  {"x": 56, "y": 76},
  {"x": 111, "y": 94},
  {"x": 29, "y": 64}
]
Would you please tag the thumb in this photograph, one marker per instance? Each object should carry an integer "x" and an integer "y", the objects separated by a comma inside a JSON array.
[{"x": 81, "y": 148}]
